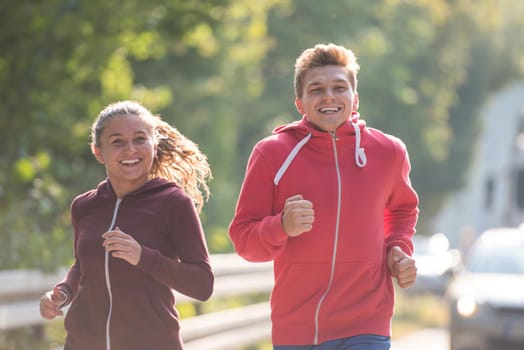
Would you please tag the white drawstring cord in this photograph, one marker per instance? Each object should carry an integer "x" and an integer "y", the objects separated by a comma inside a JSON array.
[
  {"x": 360, "y": 156},
  {"x": 290, "y": 158}
]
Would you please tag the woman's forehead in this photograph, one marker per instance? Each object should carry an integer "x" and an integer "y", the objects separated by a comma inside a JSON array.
[{"x": 127, "y": 123}]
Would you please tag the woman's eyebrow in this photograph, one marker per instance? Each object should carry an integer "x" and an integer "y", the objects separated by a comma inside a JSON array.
[{"x": 140, "y": 132}]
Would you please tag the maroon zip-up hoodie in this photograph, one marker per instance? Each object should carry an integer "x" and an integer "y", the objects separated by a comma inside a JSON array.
[{"x": 142, "y": 314}]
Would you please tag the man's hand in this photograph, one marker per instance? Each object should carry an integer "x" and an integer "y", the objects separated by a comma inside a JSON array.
[
  {"x": 402, "y": 267},
  {"x": 298, "y": 216}
]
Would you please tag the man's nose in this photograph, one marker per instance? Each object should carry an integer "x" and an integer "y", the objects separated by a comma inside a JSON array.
[{"x": 329, "y": 93}]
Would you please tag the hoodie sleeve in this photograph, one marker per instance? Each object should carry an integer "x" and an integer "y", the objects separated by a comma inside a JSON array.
[
  {"x": 191, "y": 272},
  {"x": 71, "y": 281},
  {"x": 401, "y": 212},
  {"x": 256, "y": 231}
]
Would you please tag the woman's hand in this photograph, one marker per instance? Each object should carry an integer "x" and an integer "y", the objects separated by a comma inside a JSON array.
[
  {"x": 122, "y": 246},
  {"x": 51, "y": 302}
]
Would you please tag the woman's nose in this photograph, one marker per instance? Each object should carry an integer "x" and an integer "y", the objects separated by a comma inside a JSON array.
[{"x": 131, "y": 146}]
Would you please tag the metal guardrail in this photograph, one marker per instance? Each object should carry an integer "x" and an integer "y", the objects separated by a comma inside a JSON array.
[
  {"x": 20, "y": 292},
  {"x": 227, "y": 329}
]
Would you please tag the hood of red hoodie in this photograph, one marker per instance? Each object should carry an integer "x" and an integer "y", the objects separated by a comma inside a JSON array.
[
  {"x": 353, "y": 127},
  {"x": 304, "y": 127}
]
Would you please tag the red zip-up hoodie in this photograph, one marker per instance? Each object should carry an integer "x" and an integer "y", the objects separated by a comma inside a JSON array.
[
  {"x": 123, "y": 307},
  {"x": 331, "y": 282}
]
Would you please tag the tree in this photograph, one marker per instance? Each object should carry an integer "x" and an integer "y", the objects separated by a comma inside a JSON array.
[
  {"x": 67, "y": 60},
  {"x": 221, "y": 72},
  {"x": 419, "y": 61}
]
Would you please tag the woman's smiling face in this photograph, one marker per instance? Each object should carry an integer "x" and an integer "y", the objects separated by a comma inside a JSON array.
[
  {"x": 328, "y": 98},
  {"x": 127, "y": 149}
]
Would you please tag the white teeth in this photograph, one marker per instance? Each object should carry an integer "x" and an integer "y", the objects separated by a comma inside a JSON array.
[
  {"x": 329, "y": 109},
  {"x": 130, "y": 161}
]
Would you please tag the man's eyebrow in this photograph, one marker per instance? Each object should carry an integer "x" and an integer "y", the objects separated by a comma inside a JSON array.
[
  {"x": 314, "y": 83},
  {"x": 340, "y": 80}
]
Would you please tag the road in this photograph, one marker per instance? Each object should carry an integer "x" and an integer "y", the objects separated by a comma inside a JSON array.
[{"x": 428, "y": 339}]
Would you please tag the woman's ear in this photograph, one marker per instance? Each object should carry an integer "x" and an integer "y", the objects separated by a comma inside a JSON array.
[
  {"x": 299, "y": 106},
  {"x": 97, "y": 153}
]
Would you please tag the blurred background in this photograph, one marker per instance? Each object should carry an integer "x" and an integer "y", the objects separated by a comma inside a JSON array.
[{"x": 445, "y": 76}]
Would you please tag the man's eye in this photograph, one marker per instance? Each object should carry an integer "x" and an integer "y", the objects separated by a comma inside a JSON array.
[{"x": 117, "y": 142}]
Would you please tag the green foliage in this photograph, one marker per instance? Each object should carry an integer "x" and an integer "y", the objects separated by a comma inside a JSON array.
[
  {"x": 418, "y": 311},
  {"x": 28, "y": 338},
  {"x": 221, "y": 72},
  {"x": 66, "y": 62},
  {"x": 426, "y": 69}
]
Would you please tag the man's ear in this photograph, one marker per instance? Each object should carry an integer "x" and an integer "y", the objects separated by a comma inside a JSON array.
[
  {"x": 97, "y": 152},
  {"x": 355, "y": 102},
  {"x": 298, "y": 105}
]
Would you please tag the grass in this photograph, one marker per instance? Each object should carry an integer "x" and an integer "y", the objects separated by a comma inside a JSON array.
[{"x": 418, "y": 311}]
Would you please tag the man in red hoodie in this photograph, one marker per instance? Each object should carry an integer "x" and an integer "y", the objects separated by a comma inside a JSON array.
[{"x": 330, "y": 201}]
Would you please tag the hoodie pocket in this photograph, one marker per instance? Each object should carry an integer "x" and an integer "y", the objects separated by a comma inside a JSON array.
[
  {"x": 357, "y": 291},
  {"x": 137, "y": 312},
  {"x": 88, "y": 311},
  {"x": 297, "y": 290}
]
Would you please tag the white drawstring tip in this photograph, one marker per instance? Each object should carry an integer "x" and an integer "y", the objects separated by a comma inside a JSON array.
[{"x": 360, "y": 156}]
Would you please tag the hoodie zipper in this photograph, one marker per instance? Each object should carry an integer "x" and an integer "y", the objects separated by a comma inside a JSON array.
[
  {"x": 108, "y": 279},
  {"x": 335, "y": 244}
]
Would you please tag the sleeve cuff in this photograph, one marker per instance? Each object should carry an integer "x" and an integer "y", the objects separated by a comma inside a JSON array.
[
  {"x": 406, "y": 248},
  {"x": 274, "y": 225},
  {"x": 148, "y": 259},
  {"x": 66, "y": 291}
]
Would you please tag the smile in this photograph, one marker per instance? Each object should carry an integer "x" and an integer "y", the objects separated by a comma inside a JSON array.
[
  {"x": 330, "y": 110},
  {"x": 129, "y": 161}
]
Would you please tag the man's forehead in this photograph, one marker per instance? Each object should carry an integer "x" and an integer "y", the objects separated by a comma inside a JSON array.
[{"x": 326, "y": 73}]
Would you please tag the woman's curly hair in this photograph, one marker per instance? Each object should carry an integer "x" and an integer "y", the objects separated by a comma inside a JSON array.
[{"x": 178, "y": 159}]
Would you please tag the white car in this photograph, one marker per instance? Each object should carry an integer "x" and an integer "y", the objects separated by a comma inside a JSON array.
[
  {"x": 487, "y": 297},
  {"x": 436, "y": 264}
]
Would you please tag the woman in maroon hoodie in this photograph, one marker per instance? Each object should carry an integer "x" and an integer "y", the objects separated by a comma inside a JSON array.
[
  {"x": 137, "y": 237},
  {"x": 329, "y": 200}
]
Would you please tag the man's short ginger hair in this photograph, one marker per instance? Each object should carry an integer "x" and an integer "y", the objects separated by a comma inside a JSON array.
[{"x": 325, "y": 55}]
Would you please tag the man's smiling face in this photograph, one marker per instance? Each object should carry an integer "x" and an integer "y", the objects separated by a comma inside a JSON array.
[{"x": 328, "y": 98}]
